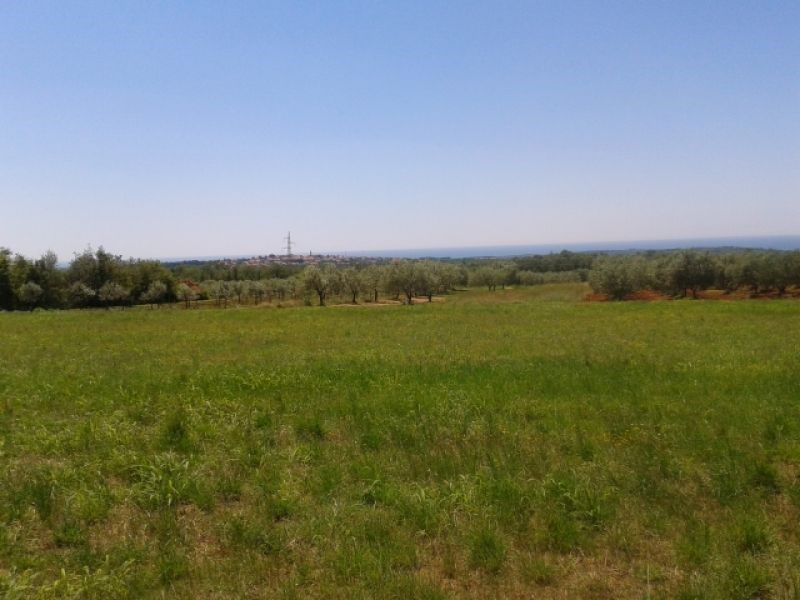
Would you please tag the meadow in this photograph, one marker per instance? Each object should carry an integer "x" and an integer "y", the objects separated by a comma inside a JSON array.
[{"x": 521, "y": 443}]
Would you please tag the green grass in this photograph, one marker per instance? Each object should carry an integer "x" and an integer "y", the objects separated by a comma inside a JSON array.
[{"x": 521, "y": 443}]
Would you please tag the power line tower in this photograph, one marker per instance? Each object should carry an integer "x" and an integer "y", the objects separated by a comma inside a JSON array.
[{"x": 288, "y": 246}]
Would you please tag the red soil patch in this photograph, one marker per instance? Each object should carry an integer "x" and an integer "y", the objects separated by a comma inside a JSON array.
[
  {"x": 646, "y": 295},
  {"x": 596, "y": 298},
  {"x": 741, "y": 294}
]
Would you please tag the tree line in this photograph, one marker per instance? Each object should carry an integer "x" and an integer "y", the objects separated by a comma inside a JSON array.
[
  {"x": 101, "y": 279},
  {"x": 686, "y": 273}
]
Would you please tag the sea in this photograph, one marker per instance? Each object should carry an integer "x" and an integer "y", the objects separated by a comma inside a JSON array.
[
  {"x": 774, "y": 242},
  {"x": 777, "y": 242}
]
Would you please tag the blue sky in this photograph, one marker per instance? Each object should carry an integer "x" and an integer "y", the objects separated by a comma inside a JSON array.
[{"x": 199, "y": 128}]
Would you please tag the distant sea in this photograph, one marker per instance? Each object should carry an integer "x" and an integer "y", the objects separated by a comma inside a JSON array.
[{"x": 775, "y": 242}]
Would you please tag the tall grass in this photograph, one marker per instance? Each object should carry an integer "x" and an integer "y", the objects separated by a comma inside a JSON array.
[{"x": 516, "y": 443}]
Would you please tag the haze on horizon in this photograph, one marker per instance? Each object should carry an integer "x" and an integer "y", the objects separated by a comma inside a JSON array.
[{"x": 212, "y": 128}]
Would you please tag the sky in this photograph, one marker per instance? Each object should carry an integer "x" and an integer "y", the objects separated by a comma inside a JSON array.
[{"x": 197, "y": 128}]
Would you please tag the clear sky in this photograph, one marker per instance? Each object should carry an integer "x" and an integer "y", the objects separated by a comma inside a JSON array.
[{"x": 199, "y": 128}]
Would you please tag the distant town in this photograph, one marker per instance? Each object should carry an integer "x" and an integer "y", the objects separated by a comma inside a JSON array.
[
  {"x": 289, "y": 258},
  {"x": 301, "y": 260}
]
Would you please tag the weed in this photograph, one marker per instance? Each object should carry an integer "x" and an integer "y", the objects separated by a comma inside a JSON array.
[
  {"x": 487, "y": 551},
  {"x": 562, "y": 533},
  {"x": 310, "y": 430},
  {"x": 415, "y": 588},
  {"x": 229, "y": 487},
  {"x": 175, "y": 433},
  {"x": 753, "y": 535},
  {"x": 164, "y": 482},
  {"x": 695, "y": 548},
  {"x": 538, "y": 571},
  {"x": 242, "y": 533},
  {"x": 41, "y": 492},
  {"x": 746, "y": 580},
  {"x": 172, "y": 564},
  {"x": 765, "y": 477},
  {"x": 69, "y": 533}
]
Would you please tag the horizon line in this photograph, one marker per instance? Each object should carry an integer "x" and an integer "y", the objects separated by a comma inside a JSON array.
[{"x": 544, "y": 248}]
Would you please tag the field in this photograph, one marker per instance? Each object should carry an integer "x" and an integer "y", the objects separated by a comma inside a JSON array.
[{"x": 510, "y": 444}]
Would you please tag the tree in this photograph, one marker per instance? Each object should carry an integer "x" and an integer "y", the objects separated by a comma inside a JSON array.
[
  {"x": 279, "y": 288},
  {"x": 640, "y": 273},
  {"x": 218, "y": 290},
  {"x": 372, "y": 278},
  {"x": 29, "y": 294},
  {"x": 239, "y": 289},
  {"x": 6, "y": 289},
  {"x": 693, "y": 271},
  {"x": 447, "y": 275},
  {"x": 793, "y": 267},
  {"x": 778, "y": 270},
  {"x": 256, "y": 290},
  {"x": 611, "y": 276},
  {"x": 112, "y": 293},
  {"x": 107, "y": 268},
  {"x": 143, "y": 273},
  {"x": 728, "y": 273},
  {"x": 155, "y": 293},
  {"x": 83, "y": 268},
  {"x": 506, "y": 274},
  {"x": 487, "y": 276},
  {"x": 45, "y": 272},
  {"x": 530, "y": 278},
  {"x": 19, "y": 272},
  {"x": 79, "y": 294},
  {"x": 321, "y": 281},
  {"x": 428, "y": 281},
  {"x": 405, "y": 277},
  {"x": 749, "y": 271},
  {"x": 186, "y": 292},
  {"x": 352, "y": 283}
]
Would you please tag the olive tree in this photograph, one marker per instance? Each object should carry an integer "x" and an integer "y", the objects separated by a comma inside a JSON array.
[
  {"x": 239, "y": 289},
  {"x": 29, "y": 294},
  {"x": 490, "y": 277},
  {"x": 779, "y": 271},
  {"x": 256, "y": 289},
  {"x": 186, "y": 293},
  {"x": 6, "y": 289},
  {"x": 405, "y": 277},
  {"x": 428, "y": 281},
  {"x": 112, "y": 293},
  {"x": 220, "y": 291},
  {"x": 322, "y": 281},
  {"x": 530, "y": 278},
  {"x": 372, "y": 279},
  {"x": 155, "y": 293},
  {"x": 352, "y": 283},
  {"x": 79, "y": 294},
  {"x": 447, "y": 276},
  {"x": 612, "y": 277},
  {"x": 693, "y": 271}
]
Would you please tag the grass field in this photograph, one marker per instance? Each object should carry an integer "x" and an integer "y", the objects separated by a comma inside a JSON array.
[{"x": 515, "y": 444}]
